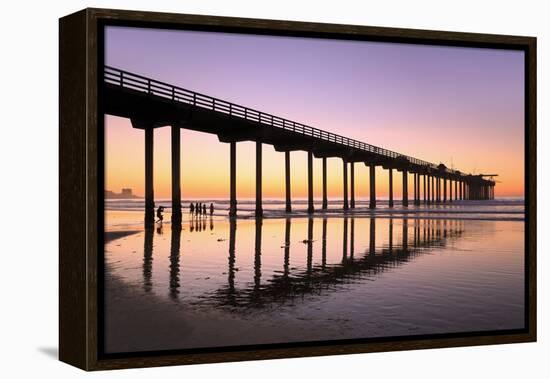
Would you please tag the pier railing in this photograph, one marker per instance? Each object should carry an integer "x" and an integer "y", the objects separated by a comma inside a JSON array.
[{"x": 115, "y": 76}]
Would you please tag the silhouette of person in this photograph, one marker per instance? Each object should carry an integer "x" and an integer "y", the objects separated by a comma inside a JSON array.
[
  {"x": 197, "y": 208},
  {"x": 211, "y": 209},
  {"x": 160, "y": 209},
  {"x": 204, "y": 209},
  {"x": 191, "y": 208}
]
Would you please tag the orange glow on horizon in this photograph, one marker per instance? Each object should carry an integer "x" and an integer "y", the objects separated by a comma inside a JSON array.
[{"x": 205, "y": 165}]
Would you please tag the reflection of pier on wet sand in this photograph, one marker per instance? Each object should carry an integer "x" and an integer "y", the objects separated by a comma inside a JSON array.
[
  {"x": 354, "y": 266},
  {"x": 416, "y": 238}
]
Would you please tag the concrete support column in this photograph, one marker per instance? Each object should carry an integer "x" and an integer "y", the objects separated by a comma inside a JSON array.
[
  {"x": 428, "y": 196},
  {"x": 176, "y": 186},
  {"x": 438, "y": 190},
  {"x": 415, "y": 194},
  {"x": 444, "y": 190},
  {"x": 325, "y": 200},
  {"x": 346, "y": 205},
  {"x": 424, "y": 187},
  {"x": 405, "y": 189},
  {"x": 288, "y": 201},
  {"x": 233, "y": 179},
  {"x": 352, "y": 184},
  {"x": 433, "y": 189},
  {"x": 451, "y": 190},
  {"x": 259, "y": 211},
  {"x": 149, "y": 192},
  {"x": 310, "y": 208},
  {"x": 417, "y": 189},
  {"x": 456, "y": 189},
  {"x": 390, "y": 203},
  {"x": 372, "y": 186}
]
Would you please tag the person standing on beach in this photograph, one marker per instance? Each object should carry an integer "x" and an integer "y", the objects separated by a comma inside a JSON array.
[
  {"x": 160, "y": 209},
  {"x": 204, "y": 209},
  {"x": 191, "y": 208},
  {"x": 197, "y": 208},
  {"x": 211, "y": 209}
]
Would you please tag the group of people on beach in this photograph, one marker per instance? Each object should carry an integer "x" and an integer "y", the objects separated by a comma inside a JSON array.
[
  {"x": 200, "y": 209},
  {"x": 194, "y": 208}
]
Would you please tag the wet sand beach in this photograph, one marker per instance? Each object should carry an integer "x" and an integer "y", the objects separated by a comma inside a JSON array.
[{"x": 221, "y": 283}]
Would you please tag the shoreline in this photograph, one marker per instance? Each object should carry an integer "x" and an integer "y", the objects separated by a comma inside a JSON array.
[{"x": 120, "y": 230}]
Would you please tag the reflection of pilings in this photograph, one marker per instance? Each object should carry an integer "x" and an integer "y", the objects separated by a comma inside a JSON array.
[
  {"x": 390, "y": 245},
  {"x": 232, "y": 178},
  {"x": 231, "y": 259},
  {"x": 176, "y": 187},
  {"x": 416, "y": 233},
  {"x": 352, "y": 239},
  {"x": 372, "y": 236},
  {"x": 310, "y": 208},
  {"x": 287, "y": 182},
  {"x": 309, "y": 244},
  {"x": 405, "y": 236},
  {"x": 324, "y": 244},
  {"x": 258, "y": 254},
  {"x": 345, "y": 240},
  {"x": 426, "y": 232},
  {"x": 325, "y": 201},
  {"x": 287, "y": 247},
  {"x": 345, "y": 184},
  {"x": 405, "y": 189},
  {"x": 282, "y": 287},
  {"x": 372, "y": 186},
  {"x": 390, "y": 203},
  {"x": 175, "y": 262},
  {"x": 259, "y": 211},
  {"x": 148, "y": 260},
  {"x": 149, "y": 191}
]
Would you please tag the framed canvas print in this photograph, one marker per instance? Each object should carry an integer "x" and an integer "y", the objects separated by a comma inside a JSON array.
[{"x": 236, "y": 189}]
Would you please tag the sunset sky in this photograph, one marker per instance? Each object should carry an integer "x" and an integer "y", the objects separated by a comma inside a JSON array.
[{"x": 460, "y": 106}]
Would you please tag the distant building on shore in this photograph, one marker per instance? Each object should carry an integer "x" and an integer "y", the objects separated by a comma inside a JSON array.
[{"x": 126, "y": 193}]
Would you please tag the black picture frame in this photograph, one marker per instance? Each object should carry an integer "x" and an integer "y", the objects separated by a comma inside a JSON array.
[{"x": 81, "y": 186}]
